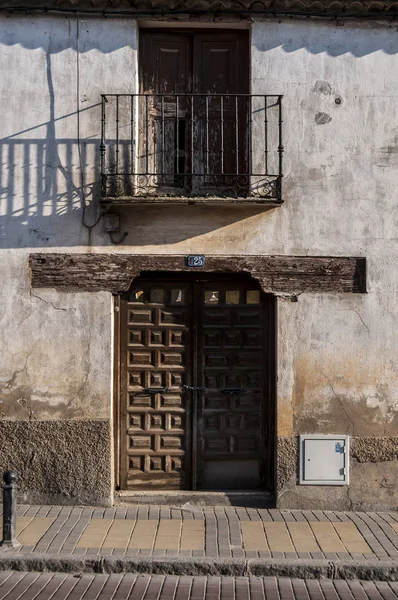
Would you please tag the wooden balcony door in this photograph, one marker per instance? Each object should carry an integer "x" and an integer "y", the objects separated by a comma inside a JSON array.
[
  {"x": 197, "y": 377},
  {"x": 194, "y": 143}
]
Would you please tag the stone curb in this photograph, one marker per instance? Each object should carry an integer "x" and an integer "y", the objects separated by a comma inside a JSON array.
[{"x": 310, "y": 569}]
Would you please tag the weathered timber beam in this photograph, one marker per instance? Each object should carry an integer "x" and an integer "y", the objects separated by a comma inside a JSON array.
[{"x": 275, "y": 274}]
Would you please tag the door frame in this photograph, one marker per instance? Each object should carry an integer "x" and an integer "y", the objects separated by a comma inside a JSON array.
[{"x": 269, "y": 336}]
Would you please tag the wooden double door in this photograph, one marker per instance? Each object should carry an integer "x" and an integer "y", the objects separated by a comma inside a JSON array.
[
  {"x": 197, "y": 359},
  {"x": 194, "y": 112}
]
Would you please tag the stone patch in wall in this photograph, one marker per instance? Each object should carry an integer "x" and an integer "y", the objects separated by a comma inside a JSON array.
[
  {"x": 287, "y": 457},
  {"x": 374, "y": 449},
  {"x": 373, "y": 478},
  {"x": 59, "y": 462}
]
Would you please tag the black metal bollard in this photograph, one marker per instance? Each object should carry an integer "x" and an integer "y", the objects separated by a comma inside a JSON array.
[{"x": 9, "y": 510}]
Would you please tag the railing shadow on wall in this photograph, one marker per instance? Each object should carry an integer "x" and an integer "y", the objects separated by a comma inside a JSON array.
[
  {"x": 41, "y": 192},
  {"x": 46, "y": 181}
]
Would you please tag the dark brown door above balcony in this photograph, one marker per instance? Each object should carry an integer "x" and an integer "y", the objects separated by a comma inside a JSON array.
[
  {"x": 221, "y": 140},
  {"x": 188, "y": 133},
  {"x": 205, "y": 154},
  {"x": 165, "y": 63}
]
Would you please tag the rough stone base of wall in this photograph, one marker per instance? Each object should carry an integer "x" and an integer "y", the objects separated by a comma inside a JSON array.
[
  {"x": 59, "y": 462},
  {"x": 373, "y": 478}
]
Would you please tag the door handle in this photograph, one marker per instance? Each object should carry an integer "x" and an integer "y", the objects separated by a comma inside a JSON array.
[
  {"x": 233, "y": 391},
  {"x": 153, "y": 390}
]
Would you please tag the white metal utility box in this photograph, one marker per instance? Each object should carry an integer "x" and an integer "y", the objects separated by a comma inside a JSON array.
[{"x": 324, "y": 459}]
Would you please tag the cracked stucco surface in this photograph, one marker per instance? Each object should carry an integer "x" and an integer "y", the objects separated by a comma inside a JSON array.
[
  {"x": 55, "y": 351},
  {"x": 339, "y": 374}
]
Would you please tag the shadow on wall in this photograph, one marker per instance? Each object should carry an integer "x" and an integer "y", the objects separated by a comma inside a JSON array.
[
  {"x": 45, "y": 179},
  {"x": 341, "y": 39},
  {"x": 42, "y": 202},
  {"x": 291, "y": 37},
  {"x": 45, "y": 183},
  {"x": 84, "y": 33},
  {"x": 43, "y": 176}
]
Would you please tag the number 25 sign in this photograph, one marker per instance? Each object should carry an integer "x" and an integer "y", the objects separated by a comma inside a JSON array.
[{"x": 195, "y": 260}]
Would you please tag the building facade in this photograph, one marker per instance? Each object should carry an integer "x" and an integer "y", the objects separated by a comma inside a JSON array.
[{"x": 199, "y": 252}]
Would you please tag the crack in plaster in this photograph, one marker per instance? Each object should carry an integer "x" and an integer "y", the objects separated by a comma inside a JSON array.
[
  {"x": 10, "y": 382},
  {"x": 360, "y": 317},
  {"x": 51, "y": 304},
  {"x": 363, "y": 322}
]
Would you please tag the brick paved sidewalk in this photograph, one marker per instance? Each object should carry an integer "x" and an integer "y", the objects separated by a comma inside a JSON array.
[
  {"x": 219, "y": 532},
  {"x": 60, "y": 586}
]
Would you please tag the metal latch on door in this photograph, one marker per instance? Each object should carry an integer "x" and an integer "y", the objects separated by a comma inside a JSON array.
[{"x": 157, "y": 390}]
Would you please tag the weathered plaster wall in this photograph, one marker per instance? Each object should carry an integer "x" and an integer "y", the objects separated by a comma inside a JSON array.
[
  {"x": 337, "y": 355},
  {"x": 55, "y": 350}
]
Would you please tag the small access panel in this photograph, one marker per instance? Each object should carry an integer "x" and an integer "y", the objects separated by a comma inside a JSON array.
[{"x": 324, "y": 459}]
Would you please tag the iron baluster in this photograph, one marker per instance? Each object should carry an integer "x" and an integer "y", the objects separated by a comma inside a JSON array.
[
  {"x": 192, "y": 147},
  {"x": 222, "y": 133},
  {"x": 117, "y": 135},
  {"x": 178, "y": 139},
  {"x": 163, "y": 134},
  {"x": 192, "y": 183},
  {"x": 146, "y": 134},
  {"x": 237, "y": 134},
  {"x": 207, "y": 135},
  {"x": 266, "y": 134},
  {"x": 250, "y": 140},
  {"x": 132, "y": 125},
  {"x": 280, "y": 147},
  {"x": 103, "y": 145}
]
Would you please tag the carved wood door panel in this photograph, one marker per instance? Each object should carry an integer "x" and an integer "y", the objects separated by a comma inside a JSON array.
[
  {"x": 197, "y": 360},
  {"x": 232, "y": 413},
  {"x": 155, "y": 410}
]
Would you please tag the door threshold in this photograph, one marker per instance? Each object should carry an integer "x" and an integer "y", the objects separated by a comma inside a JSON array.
[{"x": 184, "y": 498}]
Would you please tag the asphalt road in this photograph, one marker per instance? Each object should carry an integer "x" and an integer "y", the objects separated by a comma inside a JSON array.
[{"x": 60, "y": 586}]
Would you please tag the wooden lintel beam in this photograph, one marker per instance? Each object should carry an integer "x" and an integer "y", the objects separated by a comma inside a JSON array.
[{"x": 275, "y": 274}]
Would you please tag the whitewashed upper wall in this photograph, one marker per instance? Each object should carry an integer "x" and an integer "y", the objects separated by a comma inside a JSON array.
[
  {"x": 337, "y": 354},
  {"x": 340, "y": 159},
  {"x": 50, "y": 67},
  {"x": 55, "y": 351}
]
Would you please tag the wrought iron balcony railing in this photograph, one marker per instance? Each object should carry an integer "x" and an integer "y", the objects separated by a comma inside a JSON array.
[{"x": 191, "y": 145}]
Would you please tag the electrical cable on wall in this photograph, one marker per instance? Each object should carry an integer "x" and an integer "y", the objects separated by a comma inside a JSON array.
[{"x": 82, "y": 179}]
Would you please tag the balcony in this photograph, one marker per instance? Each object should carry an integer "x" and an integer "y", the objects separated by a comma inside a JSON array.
[{"x": 191, "y": 148}]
